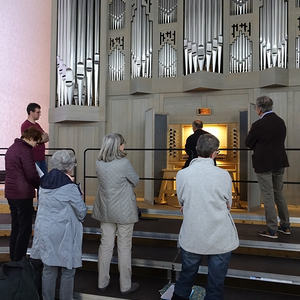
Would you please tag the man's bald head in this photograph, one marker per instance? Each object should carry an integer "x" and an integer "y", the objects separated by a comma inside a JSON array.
[{"x": 197, "y": 124}]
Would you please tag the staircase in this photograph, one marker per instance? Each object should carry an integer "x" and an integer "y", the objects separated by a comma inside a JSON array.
[{"x": 258, "y": 263}]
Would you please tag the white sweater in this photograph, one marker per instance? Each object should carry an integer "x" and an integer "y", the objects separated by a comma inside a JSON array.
[{"x": 204, "y": 191}]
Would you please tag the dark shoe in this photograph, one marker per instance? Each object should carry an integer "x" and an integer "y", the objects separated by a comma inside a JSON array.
[
  {"x": 268, "y": 234},
  {"x": 286, "y": 231},
  {"x": 134, "y": 287},
  {"x": 103, "y": 289},
  {"x": 176, "y": 297}
]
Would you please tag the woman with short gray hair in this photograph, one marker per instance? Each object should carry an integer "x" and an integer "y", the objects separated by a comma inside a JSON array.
[
  {"x": 115, "y": 207},
  {"x": 58, "y": 227}
]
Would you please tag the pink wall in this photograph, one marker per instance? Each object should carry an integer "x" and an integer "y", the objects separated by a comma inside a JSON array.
[{"x": 25, "y": 28}]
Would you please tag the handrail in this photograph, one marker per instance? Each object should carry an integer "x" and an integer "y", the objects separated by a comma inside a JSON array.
[
  {"x": 85, "y": 176},
  {"x": 48, "y": 155}
]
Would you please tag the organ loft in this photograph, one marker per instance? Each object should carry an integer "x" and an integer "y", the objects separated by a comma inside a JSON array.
[{"x": 148, "y": 68}]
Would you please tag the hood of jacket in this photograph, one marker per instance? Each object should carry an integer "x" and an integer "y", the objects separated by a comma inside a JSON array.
[{"x": 55, "y": 179}]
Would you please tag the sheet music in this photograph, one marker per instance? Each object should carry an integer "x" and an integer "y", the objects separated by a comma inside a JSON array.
[{"x": 40, "y": 172}]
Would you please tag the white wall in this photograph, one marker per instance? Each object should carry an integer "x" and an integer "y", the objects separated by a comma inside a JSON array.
[{"x": 25, "y": 27}]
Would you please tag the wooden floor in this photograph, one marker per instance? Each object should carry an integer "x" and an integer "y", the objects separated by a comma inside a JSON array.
[{"x": 294, "y": 210}]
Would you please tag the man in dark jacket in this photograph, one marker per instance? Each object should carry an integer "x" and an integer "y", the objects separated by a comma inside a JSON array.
[
  {"x": 20, "y": 183},
  {"x": 266, "y": 138},
  {"x": 191, "y": 141}
]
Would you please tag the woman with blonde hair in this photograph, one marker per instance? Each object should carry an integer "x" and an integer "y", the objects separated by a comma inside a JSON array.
[{"x": 115, "y": 207}]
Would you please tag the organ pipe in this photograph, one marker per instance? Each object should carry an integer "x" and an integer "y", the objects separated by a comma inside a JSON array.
[
  {"x": 298, "y": 52},
  {"x": 78, "y": 38},
  {"x": 240, "y": 7},
  {"x": 203, "y": 35},
  {"x": 240, "y": 52},
  {"x": 273, "y": 34},
  {"x": 116, "y": 65},
  {"x": 116, "y": 11},
  {"x": 167, "y": 11},
  {"x": 167, "y": 61},
  {"x": 141, "y": 40}
]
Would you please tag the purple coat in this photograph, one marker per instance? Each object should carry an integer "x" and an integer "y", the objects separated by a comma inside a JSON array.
[{"x": 21, "y": 176}]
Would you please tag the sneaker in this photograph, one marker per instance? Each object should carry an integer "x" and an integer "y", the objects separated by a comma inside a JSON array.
[
  {"x": 268, "y": 234},
  {"x": 134, "y": 287},
  {"x": 284, "y": 230}
]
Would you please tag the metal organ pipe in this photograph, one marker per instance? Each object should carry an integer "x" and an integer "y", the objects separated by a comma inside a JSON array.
[
  {"x": 203, "y": 35},
  {"x": 96, "y": 51},
  {"x": 116, "y": 63},
  {"x": 240, "y": 52},
  {"x": 240, "y": 7},
  {"x": 141, "y": 40},
  {"x": 78, "y": 30},
  {"x": 167, "y": 11},
  {"x": 116, "y": 12},
  {"x": 167, "y": 61},
  {"x": 273, "y": 34},
  {"x": 81, "y": 33},
  {"x": 298, "y": 52}
]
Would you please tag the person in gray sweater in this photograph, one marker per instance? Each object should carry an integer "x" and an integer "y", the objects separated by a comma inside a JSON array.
[
  {"x": 116, "y": 209},
  {"x": 204, "y": 193}
]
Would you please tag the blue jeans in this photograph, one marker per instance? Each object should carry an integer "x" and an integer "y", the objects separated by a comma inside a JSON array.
[
  {"x": 217, "y": 269},
  {"x": 43, "y": 166}
]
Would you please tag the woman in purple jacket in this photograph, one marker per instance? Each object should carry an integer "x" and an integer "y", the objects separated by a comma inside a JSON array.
[{"x": 20, "y": 183}]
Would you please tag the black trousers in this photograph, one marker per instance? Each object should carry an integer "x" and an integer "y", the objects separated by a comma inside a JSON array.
[{"x": 21, "y": 227}]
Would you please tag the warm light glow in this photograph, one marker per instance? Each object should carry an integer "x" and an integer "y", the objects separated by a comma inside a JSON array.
[{"x": 218, "y": 130}]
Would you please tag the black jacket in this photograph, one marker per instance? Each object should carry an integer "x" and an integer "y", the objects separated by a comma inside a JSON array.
[
  {"x": 266, "y": 138},
  {"x": 190, "y": 146}
]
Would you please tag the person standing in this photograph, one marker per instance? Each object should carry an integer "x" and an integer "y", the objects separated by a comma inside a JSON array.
[
  {"x": 34, "y": 113},
  {"x": 191, "y": 141},
  {"x": 266, "y": 138},
  {"x": 58, "y": 227},
  {"x": 20, "y": 182},
  {"x": 205, "y": 195},
  {"x": 116, "y": 209}
]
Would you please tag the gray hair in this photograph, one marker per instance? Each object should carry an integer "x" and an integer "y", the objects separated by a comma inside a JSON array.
[
  {"x": 110, "y": 149},
  {"x": 63, "y": 160},
  {"x": 207, "y": 144},
  {"x": 265, "y": 103},
  {"x": 198, "y": 124}
]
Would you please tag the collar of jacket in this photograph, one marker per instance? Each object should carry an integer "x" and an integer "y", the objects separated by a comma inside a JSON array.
[
  {"x": 22, "y": 142},
  {"x": 55, "y": 179},
  {"x": 204, "y": 160}
]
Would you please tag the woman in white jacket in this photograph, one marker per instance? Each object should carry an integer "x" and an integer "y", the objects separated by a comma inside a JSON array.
[{"x": 115, "y": 207}]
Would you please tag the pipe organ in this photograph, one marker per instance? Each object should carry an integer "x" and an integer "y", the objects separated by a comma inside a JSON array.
[
  {"x": 240, "y": 7},
  {"x": 141, "y": 39},
  {"x": 273, "y": 37},
  {"x": 78, "y": 42},
  {"x": 116, "y": 13},
  {"x": 145, "y": 38},
  {"x": 241, "y": 54},
  {"x": 203, "y": 35},
  {"x": 167, "y": 11},
  {"x": 228, "y": 135}
]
